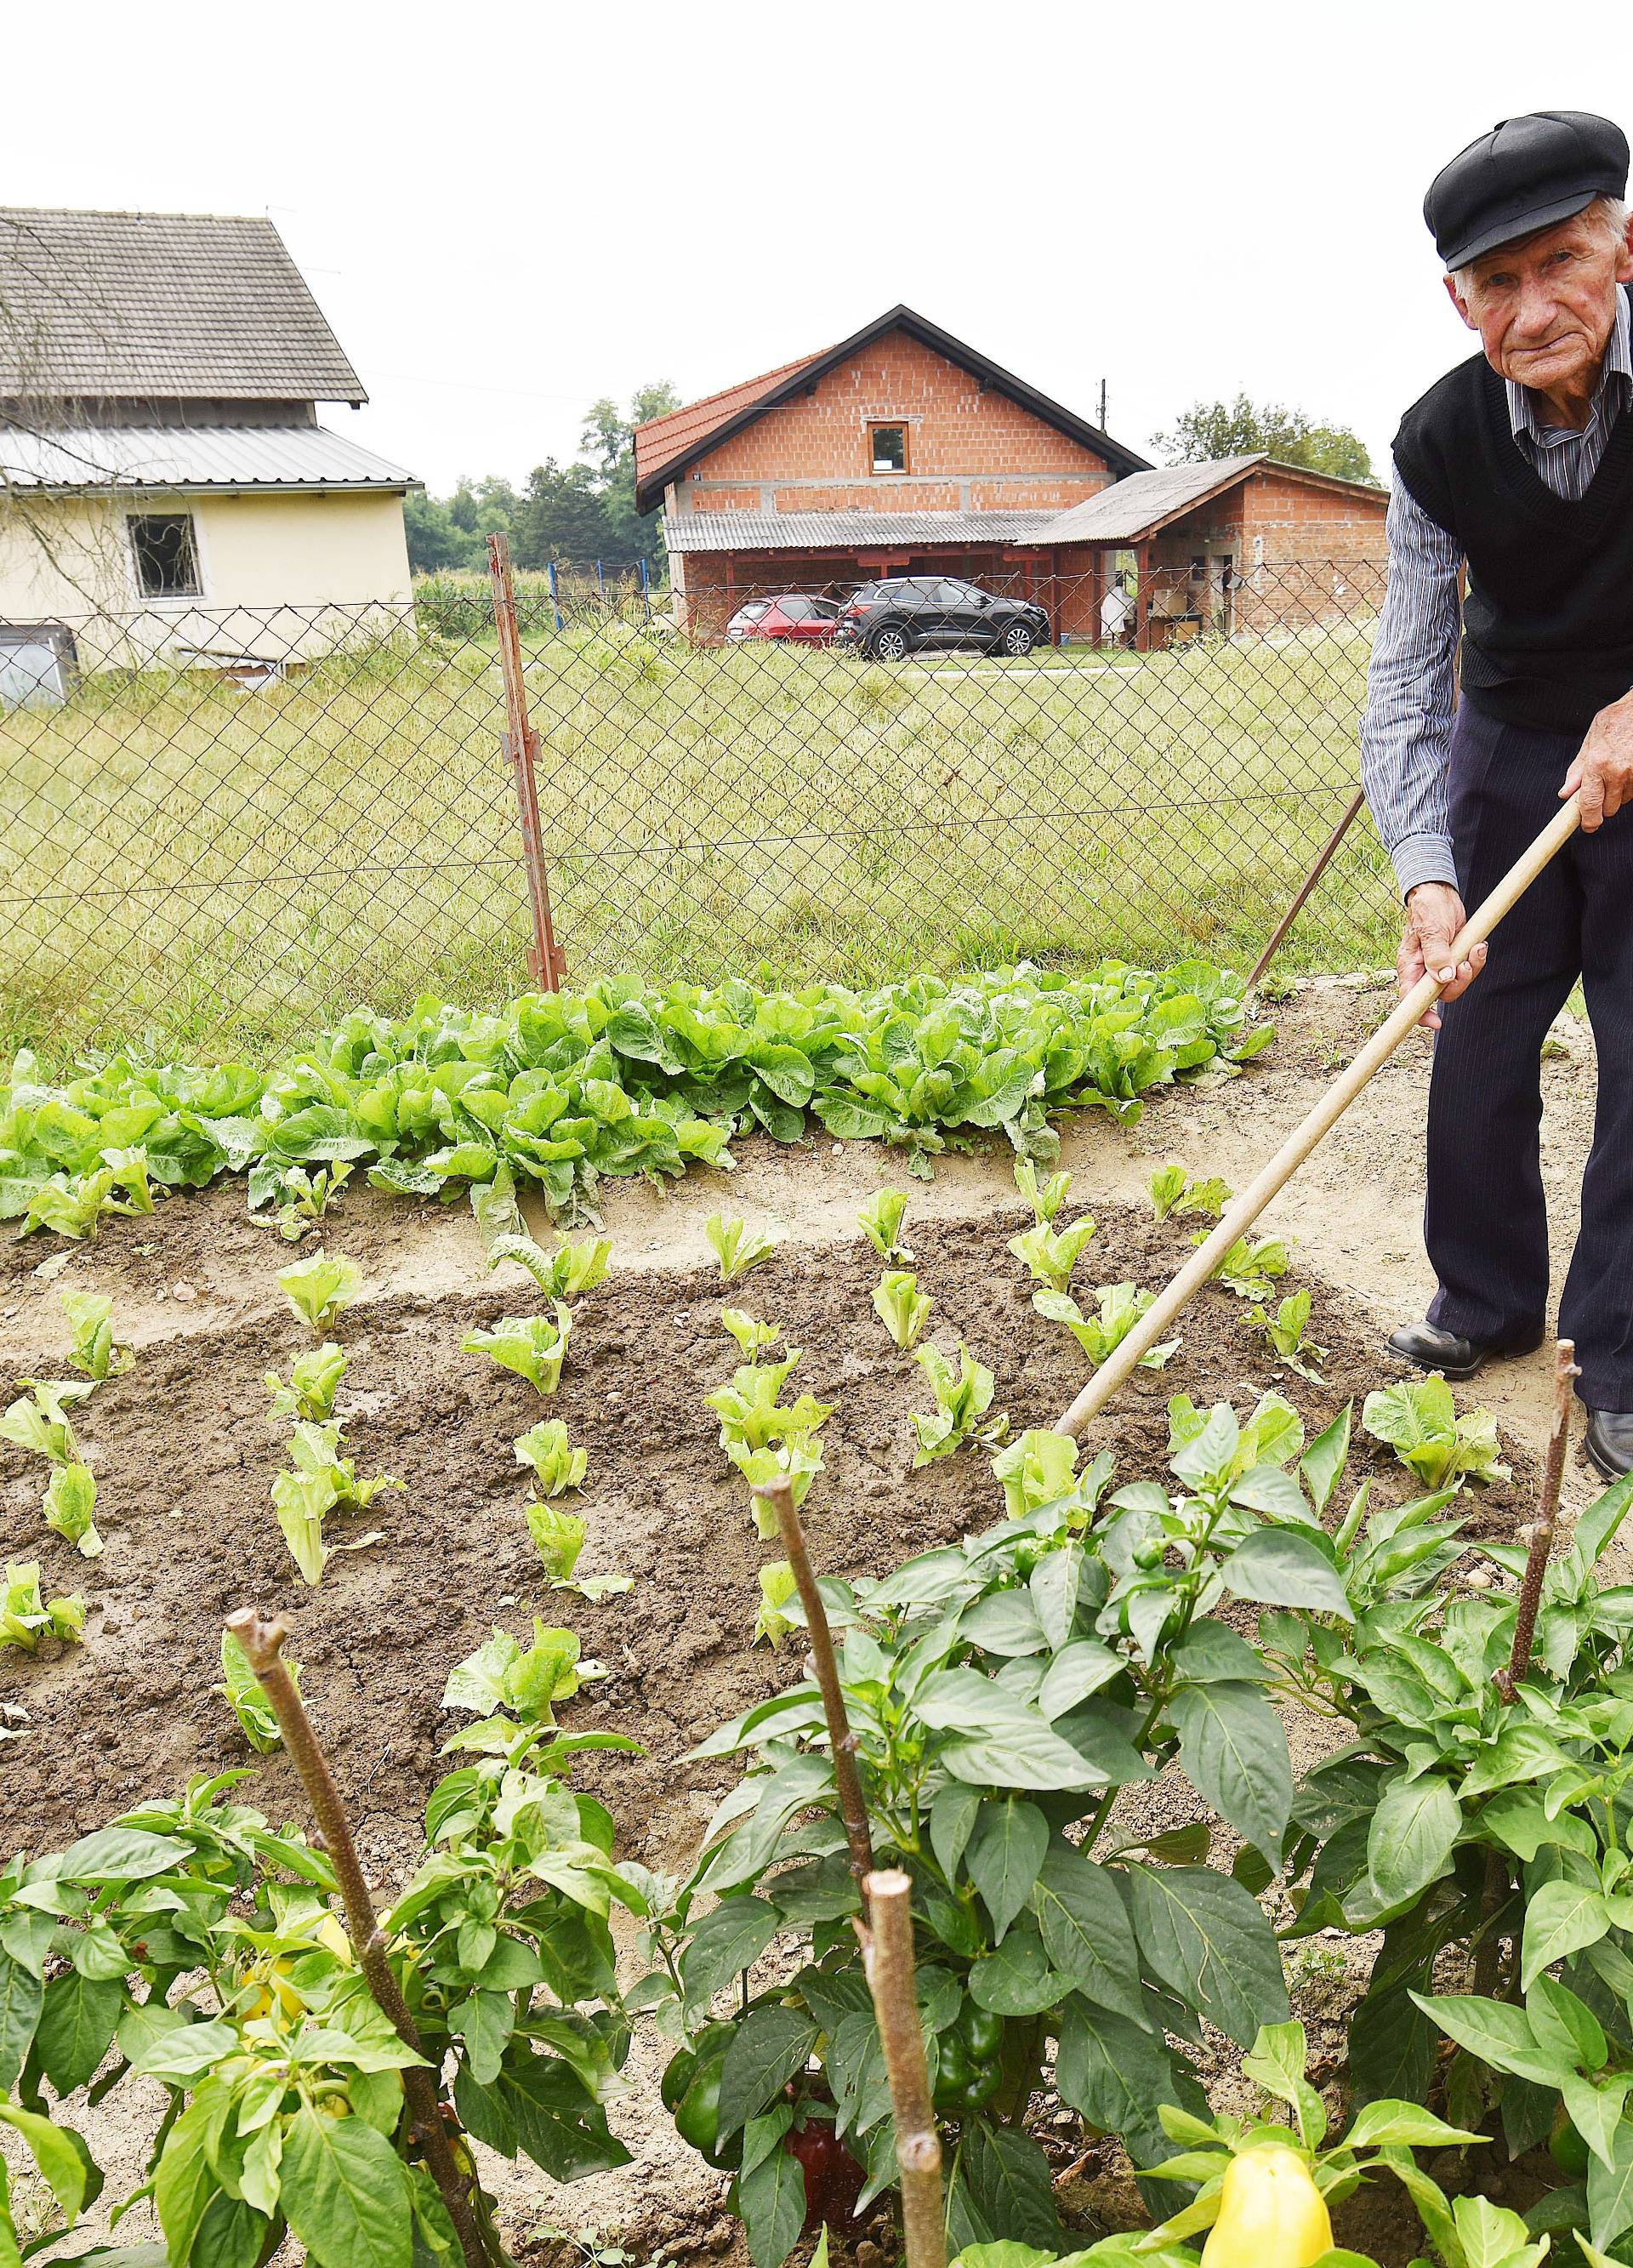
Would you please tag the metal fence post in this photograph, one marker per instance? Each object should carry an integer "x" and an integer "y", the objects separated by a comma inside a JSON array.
[
  {"x": 555, "y": 597},
  {"x": 520, "y": 743},
  {"x": 646, "y": 590}
]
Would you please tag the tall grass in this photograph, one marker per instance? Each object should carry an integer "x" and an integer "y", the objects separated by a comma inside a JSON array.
[{"x": 191, "y": 867}]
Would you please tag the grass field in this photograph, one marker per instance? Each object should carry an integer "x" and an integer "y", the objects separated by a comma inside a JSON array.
[{"x": 200, "y": 868}]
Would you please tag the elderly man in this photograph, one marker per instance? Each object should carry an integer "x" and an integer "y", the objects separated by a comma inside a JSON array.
[{"x": 1517, "y": 468}]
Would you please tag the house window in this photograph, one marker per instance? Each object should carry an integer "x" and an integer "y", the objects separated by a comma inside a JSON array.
[
  {"x": 165, "y": 554},
  {"x": 888, "y": 447}
]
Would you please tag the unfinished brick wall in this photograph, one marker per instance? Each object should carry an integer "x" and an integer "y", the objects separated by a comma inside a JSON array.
[{"x": 967, "y": 450}]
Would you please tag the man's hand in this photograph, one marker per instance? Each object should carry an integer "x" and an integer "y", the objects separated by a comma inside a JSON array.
[
  {"x": 1434, "y": 914},
  {"x": 1603, "y": 768}
]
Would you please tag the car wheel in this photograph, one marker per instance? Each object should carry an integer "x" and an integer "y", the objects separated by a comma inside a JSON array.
[
  {"x": 1018, "y": 641},
  {"x": 889, "y": 643}
]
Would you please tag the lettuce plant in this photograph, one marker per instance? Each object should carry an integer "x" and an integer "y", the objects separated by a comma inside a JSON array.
[
  {"x": 963, "y": 1391},
  {"x": 90, "y": 1318},
  {"x": 1051, "y": 1255},
  {"x": 1046, "y": 1198},
  {"x": 1420, "y": 1422},
  {"x": 752, "y": 1336},
  {"x": 321, "y": 1481},
  {"x": 557, "y": 1467},
  {"x": 312, "y": 1383},
  {"x": 558, "y": 1537},
  {"x": 767, "y": 1438},
  {"x": 321, "y": 1287},
  {"x": 1118, "y": 1307},
  {"x": 534, "y": 1346},
  {"x": 38, "y": 1419},
  {"x": 901, "y": 1307},
  {"x": 566, "y": 1273},
  {"x": 737, "y": 1247},
  {"x": 1173, "y": 1190},
  {"x": 1037, "y": 1468},
  {"x": 777, "y": 1586},
  {"x": 1287, "y": 1335},
  {"x": 880, "y": 1222},
  {"x": 241, "y": 1690},
  {"x": 1248, "y": 1269},
  {"x": 26, "y": 1618},
  {"x": 304, "y": 1198},
  {"x": 70, "y": 1507},
  {"x": 503, "y": 1674}
]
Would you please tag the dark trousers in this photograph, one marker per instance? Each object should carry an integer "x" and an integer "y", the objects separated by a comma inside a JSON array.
[{"x": 1485, "y": 1225}]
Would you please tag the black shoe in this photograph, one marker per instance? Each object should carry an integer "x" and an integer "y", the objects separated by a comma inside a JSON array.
[
  {"x": 1432, "y": 1348},
  {"x": 1610, "y": 1442}
]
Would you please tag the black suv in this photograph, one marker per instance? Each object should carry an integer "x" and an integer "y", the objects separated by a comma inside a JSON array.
[{"x": 891, "y": 619}]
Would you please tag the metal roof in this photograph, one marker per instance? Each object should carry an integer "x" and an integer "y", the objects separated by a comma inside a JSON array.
[
  {"x": 179, "y": 459},
  {"x": 177, "y": 305},
  {"x": 843, "y": 530},
  {"x": 665, "y": 446},
  {"x": 1134, "y": 507}
]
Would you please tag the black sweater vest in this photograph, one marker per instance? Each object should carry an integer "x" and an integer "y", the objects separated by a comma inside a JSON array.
[{"x": 1547, "y": 625}]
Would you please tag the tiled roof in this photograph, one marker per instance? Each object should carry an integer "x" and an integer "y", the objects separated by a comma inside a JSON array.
[
  {"x": 843, "y": 530},
  {"x": 169, "y": 305},
  {"x": 181, "y": 459},
  {"x": 661, "y": 440}
]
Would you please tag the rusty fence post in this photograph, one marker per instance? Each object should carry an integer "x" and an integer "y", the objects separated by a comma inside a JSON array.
[{"x": 520, "y": 743}]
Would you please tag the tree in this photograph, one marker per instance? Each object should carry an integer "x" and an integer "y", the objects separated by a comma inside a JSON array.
[{"x": 1244, "y": 428}]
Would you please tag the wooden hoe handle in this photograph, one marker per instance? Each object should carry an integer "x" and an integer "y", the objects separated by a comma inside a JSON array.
[{"x": 1280, "y": 1169}]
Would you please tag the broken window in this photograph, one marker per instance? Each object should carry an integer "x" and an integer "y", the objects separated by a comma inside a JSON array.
[
  {"x": 890, "y": 448},
  {"x": 165, "y": 554}
]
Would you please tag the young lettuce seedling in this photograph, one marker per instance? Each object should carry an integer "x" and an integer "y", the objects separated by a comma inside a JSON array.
[
  {"x": 1173, "y": 1190},
  {"x": 901, "y": 1307},
  {"x": 1036, "y": 1468},
  {"x": 321, "y": 1481},
  {"x": 90, "y": 1318},
  {"x": 241, "y": 1690},
  {"x": 765, "y": 1439},
  {"x": 963, "y": 1394},
  {"x": 70, "y": 1507},
  {"x": 1120, "y": 1308},
  {"x": 558, "y": 1537},
  {"x": 558, "y": 1468},
  {"x": 880, "y": 1222},
  {"x": 1248, "y": 1269},
  {"x": 1050, "y": 1255},
  {"x": 503, "y": 1674},
  {"x": 736, "y": 1245},
  {"x": 1420, "y": 1422},
  {"x": 566, "y": 1273},
  {"x": 1046, "y": 1198},
  {"x": 534, "y": 1346},
  {"x": 313, "y": 1381},
  {"x": 322, "y": 1287},
  {"x": 777, "y": 1586},
  {"x": 1287, "y": 1335},
  {"x": 72, "y": 1204},
  {"x": 305, "y": 1197},
  {"x": 751, "y": 1335},
  {"x": 39, "y": 1420},
  {"x": 26, "y": 1618}
]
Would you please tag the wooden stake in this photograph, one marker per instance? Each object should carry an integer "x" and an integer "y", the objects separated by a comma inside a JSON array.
[
  {"x": 779, "y": 1494},
  {"x": 1542, "y": 1545},
  {"x": 1121, "y": 1363},
  {"x": 261, "y": 1645},
  {"x": 887, "y": 1955}
]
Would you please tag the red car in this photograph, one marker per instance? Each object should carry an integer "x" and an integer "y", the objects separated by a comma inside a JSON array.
[{"x": 798, "y": 614}]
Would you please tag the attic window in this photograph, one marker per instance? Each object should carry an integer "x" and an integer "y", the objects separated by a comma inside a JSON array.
[
  {"x": 165, "y": 554},
  {"x": 888, "y": 446}
]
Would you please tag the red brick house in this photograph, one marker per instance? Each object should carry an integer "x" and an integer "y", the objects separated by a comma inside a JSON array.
[{"x": 902, "y": 451}]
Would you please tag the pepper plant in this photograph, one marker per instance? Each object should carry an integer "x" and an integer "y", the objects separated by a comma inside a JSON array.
[{"x": 1002, "y": 1693}]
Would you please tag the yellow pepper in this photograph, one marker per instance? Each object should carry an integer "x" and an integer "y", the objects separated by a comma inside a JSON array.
[{"x": 1271, "y": 2214}]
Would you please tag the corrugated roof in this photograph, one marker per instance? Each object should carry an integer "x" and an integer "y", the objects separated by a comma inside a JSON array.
[
  {"x": 672, "y": 443},
  {"x": 1131, "y": 508},
  {"x": 182, "y": 459},
  {"x": 171, "y": 304},
  {"x": 843, "y": 530}
]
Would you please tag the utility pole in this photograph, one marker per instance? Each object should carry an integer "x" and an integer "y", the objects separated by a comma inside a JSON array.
[{"x": 1102, "y": 416}]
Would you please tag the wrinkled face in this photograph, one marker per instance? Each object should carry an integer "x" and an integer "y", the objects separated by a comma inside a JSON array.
[{"x": 1545, "y": 307}]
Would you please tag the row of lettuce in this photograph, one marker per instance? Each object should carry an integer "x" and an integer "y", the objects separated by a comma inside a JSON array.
[
  {"x": 566, "y": 1089},
  {"x": 1012, "y": 1697}
]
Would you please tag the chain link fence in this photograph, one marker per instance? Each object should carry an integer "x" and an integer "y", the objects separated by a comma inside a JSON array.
[{"x": 224, "y": 827}]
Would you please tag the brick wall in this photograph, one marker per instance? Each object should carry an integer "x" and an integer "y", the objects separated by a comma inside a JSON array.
[{"x": 966, "y": 450}]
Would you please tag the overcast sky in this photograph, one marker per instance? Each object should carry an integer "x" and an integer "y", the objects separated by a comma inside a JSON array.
[{"x": 507, "y": 211}]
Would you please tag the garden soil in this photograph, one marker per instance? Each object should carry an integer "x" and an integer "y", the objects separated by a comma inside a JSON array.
[{"x": 184, "y": 1458}]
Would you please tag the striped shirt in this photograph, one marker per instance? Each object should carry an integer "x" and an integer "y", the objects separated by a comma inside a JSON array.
[{"x": 1406, "y": 734}]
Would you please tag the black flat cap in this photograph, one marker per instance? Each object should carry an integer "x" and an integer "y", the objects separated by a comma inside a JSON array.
[{"x": 1526, "y": 173}]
